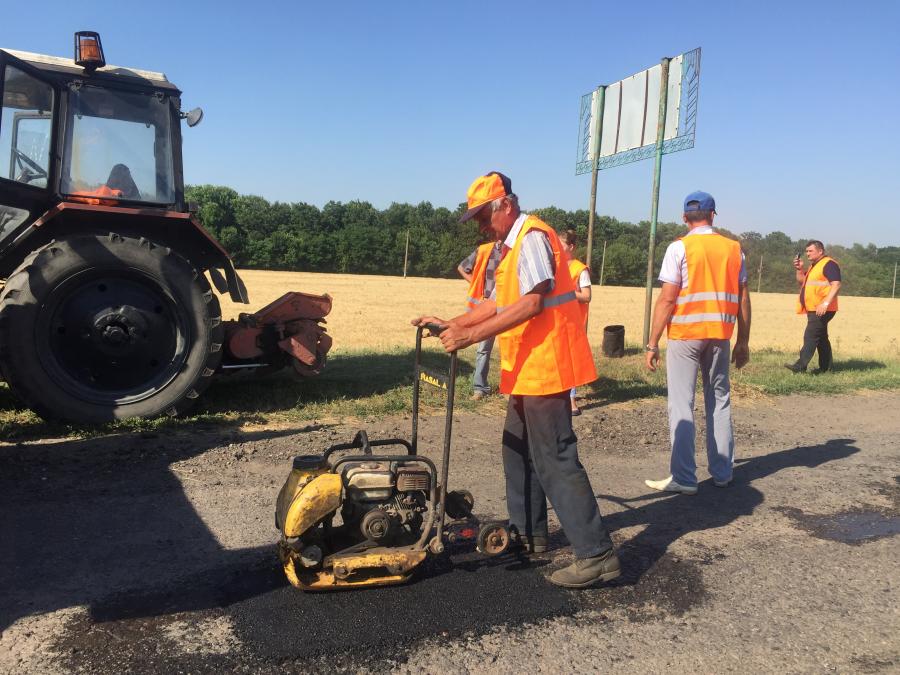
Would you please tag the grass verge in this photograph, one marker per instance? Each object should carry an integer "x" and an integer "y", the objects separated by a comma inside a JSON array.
[{"x": 366, "y": 385}]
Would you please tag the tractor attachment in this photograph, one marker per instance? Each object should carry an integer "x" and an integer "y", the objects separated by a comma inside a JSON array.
[{"x": 287, "y": 330}]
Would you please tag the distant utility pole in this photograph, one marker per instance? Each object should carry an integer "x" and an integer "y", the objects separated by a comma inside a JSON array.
[
  {"x": 894, "y": 289},
  {"x": 759, "y": 274},
  {"x": 603, "y": 262},
  {"x": 406, "y": 254}
]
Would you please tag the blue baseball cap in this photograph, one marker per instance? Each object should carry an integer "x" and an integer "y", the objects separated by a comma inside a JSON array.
[{"x": 704, "y": 202}]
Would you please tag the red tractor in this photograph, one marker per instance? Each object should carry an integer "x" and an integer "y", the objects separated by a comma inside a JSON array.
[{"x": 107, "y": 310}]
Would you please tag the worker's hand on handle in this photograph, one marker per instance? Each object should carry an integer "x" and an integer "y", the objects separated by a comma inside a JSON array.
[
  {"x": 740, "y": 355},
  {"x": 455, "y": 338},
  {"x": 424, "y": 321}
]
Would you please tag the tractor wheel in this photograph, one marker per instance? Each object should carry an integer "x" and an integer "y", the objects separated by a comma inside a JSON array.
[{"x": 97, "y": 328}]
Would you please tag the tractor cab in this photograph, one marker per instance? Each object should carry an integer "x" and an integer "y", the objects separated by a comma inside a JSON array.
[{"x": 81, "y": 131}]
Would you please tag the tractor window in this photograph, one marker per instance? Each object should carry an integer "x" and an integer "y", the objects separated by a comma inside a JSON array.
[
  {"x": 119, "y": 146},
  {"x": 25, "y": 128}
]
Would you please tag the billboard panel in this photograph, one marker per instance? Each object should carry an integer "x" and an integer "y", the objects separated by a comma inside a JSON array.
[{"x": 631, "y": 114}]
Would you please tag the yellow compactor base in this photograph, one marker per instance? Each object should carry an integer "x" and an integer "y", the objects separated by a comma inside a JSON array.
[{"x": 375, "y": 567}]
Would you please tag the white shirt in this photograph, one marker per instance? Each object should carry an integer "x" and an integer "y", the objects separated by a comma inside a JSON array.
[
  {"x": 535, "y": 258},
  {"x": 674, "y": 265}
]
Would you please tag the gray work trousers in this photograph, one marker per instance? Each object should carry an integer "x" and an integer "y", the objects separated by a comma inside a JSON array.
[
  {"x": 540, "y": 460},
  {"x": 683, "y": 359},
  {"x": 482, "y": 366}
]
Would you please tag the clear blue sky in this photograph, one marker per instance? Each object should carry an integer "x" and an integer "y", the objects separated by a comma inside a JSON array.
[{"x": 409, "y": 101}]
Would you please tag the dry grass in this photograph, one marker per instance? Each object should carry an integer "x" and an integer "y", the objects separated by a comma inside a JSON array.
[{"x": 373, "y": 312}]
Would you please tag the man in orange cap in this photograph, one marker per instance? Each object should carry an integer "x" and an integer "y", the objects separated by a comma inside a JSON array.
[{"x": 543, "y": 354}]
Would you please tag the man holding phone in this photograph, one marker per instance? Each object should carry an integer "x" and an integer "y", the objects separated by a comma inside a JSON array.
[{"x": 819, "y": 288}]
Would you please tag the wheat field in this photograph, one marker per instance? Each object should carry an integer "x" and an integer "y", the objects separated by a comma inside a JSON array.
[{"x": 373, "y": 312}]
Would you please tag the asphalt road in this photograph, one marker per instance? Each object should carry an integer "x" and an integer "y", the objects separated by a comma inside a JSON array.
[{"x": 153, "y": 553}]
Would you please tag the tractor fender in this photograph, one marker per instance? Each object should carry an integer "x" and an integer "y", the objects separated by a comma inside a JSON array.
[
  {"x": 321, "y": 496},
  {"x": 181, "y": 232}
]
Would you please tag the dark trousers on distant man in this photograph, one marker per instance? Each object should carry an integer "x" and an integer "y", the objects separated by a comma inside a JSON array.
[
  {"x": 540, "y": 460},
  {"x": 815, "y": 337}
]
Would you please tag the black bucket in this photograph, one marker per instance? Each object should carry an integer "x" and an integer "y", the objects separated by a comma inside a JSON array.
[{"x": 614, "y": 341}]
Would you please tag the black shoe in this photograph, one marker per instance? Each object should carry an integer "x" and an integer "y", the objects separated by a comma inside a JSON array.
[
  {"x": 795, "y": 367},
  {"x": 522, "y": 544}
]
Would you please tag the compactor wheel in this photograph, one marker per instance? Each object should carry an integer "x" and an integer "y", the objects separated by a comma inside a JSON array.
[
  {"x": 493, "y": 539},
  {"x": 96, "y": 328}
]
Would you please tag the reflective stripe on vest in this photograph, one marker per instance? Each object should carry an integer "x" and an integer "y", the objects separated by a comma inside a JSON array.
[
  {"x": 549, "y": 352},
  {"x": 476, "y": 286},
  {"x": 710, "y": 295},
  {"x": 711, "y": 316},
  {"x": 558, "y": 300},
  {"x": 707, "y": 308},
  {"x": 816, "y": 288},
  {"x": 552, "y": 301}
]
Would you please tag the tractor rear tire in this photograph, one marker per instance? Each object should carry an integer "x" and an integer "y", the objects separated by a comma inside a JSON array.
[{"x": 98, "y": 328}]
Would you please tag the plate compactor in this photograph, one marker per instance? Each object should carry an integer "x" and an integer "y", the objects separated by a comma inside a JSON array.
[{"x": 355, "y": 516}]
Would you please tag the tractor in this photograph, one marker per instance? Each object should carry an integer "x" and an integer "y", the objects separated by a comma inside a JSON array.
[{"x": 107, "y": 310}]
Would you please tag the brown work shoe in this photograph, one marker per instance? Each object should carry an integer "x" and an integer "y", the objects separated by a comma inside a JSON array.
[
  {"x": 589, "y": 571},
  {"x": 478, "y": 395}
]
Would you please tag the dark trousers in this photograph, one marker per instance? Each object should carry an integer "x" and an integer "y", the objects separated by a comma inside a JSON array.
[
  {"x": 816, "y": 337},
  {"x": 540, "y": 460}
]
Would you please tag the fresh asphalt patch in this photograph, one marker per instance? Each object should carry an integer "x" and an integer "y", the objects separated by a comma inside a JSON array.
[{"x": 278, "y": 625}]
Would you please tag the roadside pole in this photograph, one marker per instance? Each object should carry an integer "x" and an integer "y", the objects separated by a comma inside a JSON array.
[
  {"x": 595, "y": 153},
  {"x": 759, "y": 274},
  {"x": 406, "y": 254},
  {"x": 603, "y": 262},
  {"x": 894, "y": 289},
  {"x": 654, "y": 208}
]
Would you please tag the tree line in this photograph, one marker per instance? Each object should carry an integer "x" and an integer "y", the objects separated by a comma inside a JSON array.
[{"x": 357, "y": 238}]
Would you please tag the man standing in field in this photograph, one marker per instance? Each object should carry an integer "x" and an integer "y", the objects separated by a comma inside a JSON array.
[
  {"x": 543, "y": 354},
  {"x": 478, "y": 269},
  {"x": 819, "y": 289},
  {"x": 704, "y": 293}
]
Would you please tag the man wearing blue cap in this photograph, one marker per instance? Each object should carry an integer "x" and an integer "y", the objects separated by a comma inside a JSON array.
[{"x": 704, "y": 294}]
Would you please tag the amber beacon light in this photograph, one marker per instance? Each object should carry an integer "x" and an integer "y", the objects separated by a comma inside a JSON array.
[{"x": 88, "y": 50}]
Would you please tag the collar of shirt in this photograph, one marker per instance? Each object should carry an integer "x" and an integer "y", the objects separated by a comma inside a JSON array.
[
  {"x": 510, "y": 240},
  {"x": 706, "y": 229}
]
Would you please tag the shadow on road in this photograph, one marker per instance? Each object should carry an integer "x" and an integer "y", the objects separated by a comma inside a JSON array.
[
  {"x": 670, "y": 516},
  {"x": 90, "y": 519}
]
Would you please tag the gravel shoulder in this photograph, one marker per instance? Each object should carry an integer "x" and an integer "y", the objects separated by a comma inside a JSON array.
[{"x": 154, "y": 553}]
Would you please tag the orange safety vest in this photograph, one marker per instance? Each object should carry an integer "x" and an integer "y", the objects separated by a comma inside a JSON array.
[
  {"x": 548, "y": 353},
  {"x": 104, "y": 195},
  {"x": 476, "y": 287},
  {"x": 707, "y": 308},
  {"x": 576, "y": 267},
  {"x": 816, "y": 288}
]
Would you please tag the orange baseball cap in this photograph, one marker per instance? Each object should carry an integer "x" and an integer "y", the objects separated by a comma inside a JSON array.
[{"x": 484, "y": 190}]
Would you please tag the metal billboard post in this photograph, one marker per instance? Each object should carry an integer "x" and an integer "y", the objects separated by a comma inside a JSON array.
[
  {"x": 654, "y": 208},
  {"x": 595, "y": 169}
]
